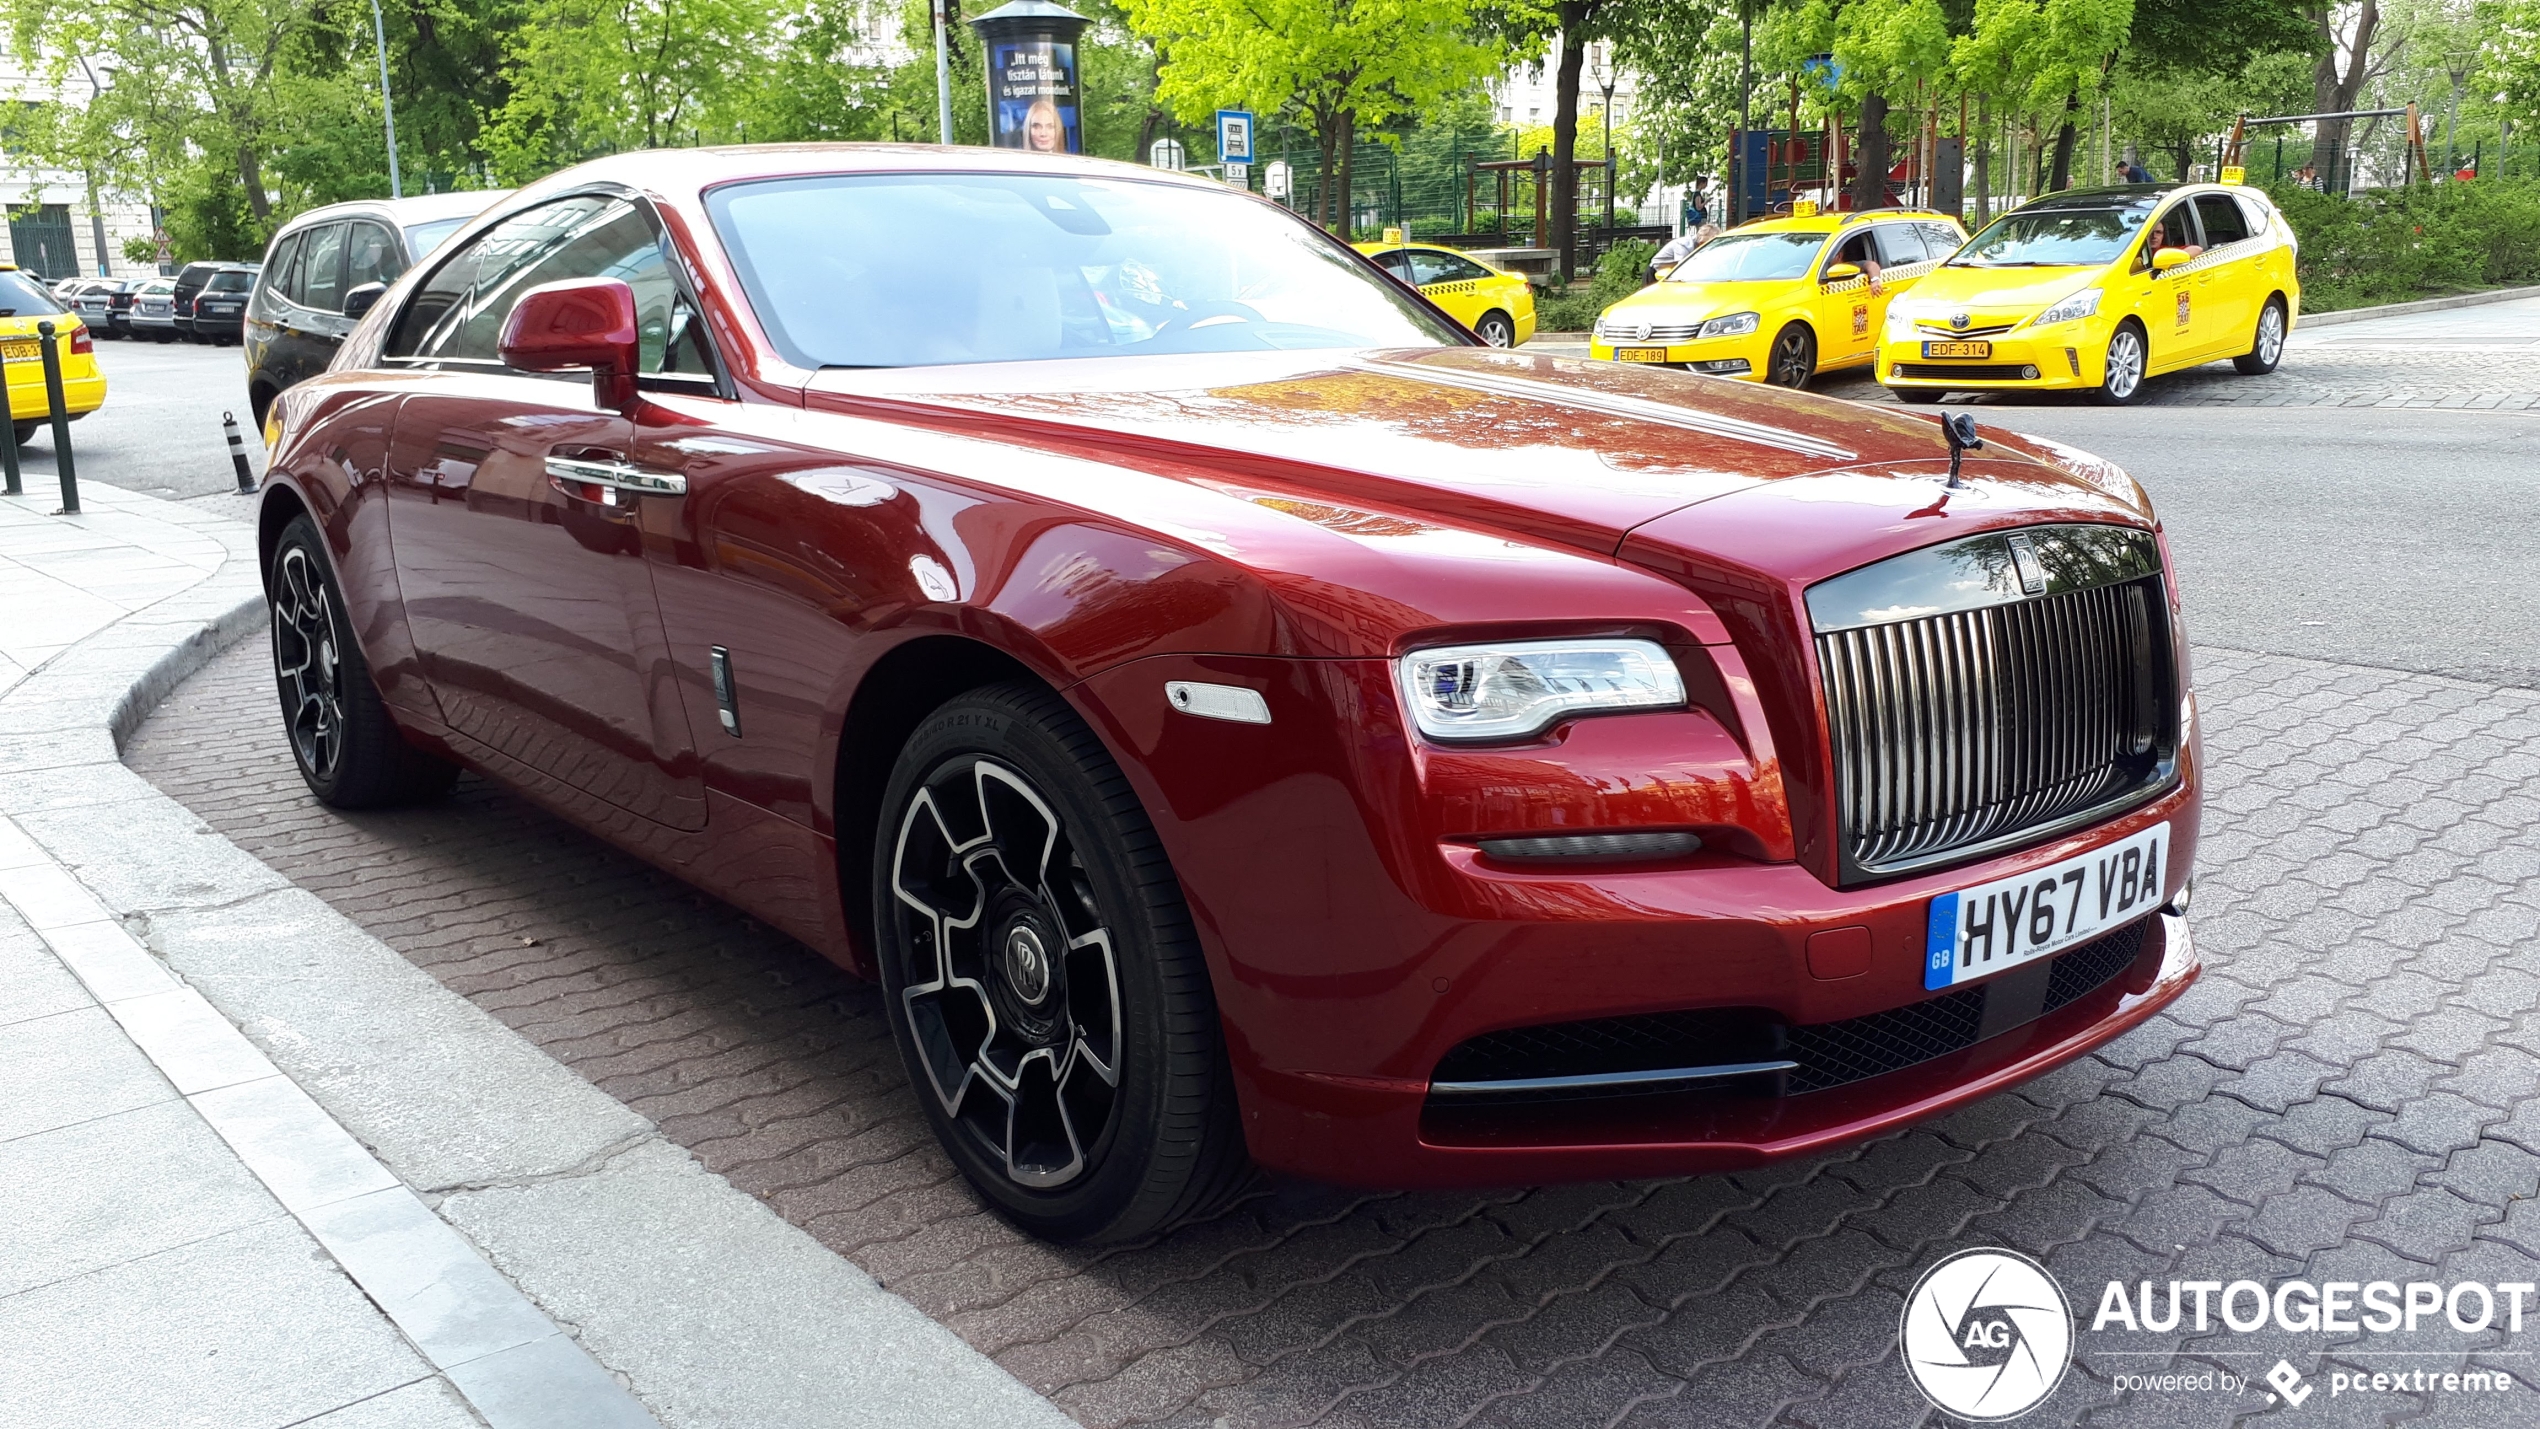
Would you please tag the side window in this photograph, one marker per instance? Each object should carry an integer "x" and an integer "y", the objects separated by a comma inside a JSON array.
[
  {"x": 2255, "y": 210},
  {"x": 1396, "y": 262},
  {"x": 2221, "y": 219},
  {"x": 1901, "y": 243},
  {"x": 1429, "y": 267},
  {"x": 457, "y": 315},
  {"x": 1855, "y": 250},
  {"x": 2175, "y": 228},
  {"x": 1458, "y": 270},
  {"x": 321, "y": 286},
  {"x": 282, "y": 270},
  {"x": 370, "y": 256}
]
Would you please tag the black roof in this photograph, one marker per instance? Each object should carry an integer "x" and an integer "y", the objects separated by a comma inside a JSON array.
[{"x": 2111, "y": 196}]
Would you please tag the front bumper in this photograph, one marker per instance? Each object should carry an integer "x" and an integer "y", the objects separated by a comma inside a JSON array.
[
  {"x": 1352, "y": 948},
  {"x": 2065, "y": 357},
  {"x": 1741, "y": 357}
]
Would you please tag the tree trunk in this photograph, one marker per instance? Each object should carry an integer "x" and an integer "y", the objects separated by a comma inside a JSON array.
[
  {"x": 1324, "y": 170},
  {"x": 1348, "y": 228},
  {"x": 1869, "y": 187},
  {"x": 1565, "y": 134},
  {"x": 2332, "y": 91},
  {"x": 1984, "y": 167},
  {"x": 251, "y": 174},
  {"x": 2062, "y": 178},
  {"x": 1154, "y": 117}
]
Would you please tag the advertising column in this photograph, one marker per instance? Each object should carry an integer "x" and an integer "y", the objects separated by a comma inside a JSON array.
[{"x": 1031, "y": 62}]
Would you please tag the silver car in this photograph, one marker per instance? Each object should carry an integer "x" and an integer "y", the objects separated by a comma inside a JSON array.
[{"x": 154, "y": 310}]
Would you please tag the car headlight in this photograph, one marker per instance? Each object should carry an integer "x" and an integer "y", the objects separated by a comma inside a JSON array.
[
  {"x": 2079, "y": 305},
  {"x": 1510, "y": 691},
  {"x": 1733, "y": 325}
]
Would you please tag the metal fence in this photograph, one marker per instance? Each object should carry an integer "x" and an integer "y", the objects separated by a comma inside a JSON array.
[{"x": 1435, "y": 183}]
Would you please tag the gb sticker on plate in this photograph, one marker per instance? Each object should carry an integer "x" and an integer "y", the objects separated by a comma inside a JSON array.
[{"x": 1980, "y": 931}]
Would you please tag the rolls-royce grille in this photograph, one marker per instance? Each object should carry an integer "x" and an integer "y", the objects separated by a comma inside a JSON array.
[{"x": 1961, "y": 730}]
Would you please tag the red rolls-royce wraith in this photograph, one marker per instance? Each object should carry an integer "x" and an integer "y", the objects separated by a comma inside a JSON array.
[{"x": 1237, "y": 718}]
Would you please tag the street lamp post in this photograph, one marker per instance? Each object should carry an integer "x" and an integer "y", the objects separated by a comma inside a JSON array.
[
  {"x": 387, "y": 106},
  {"x": 943, "y": 78},
  {"x": 1601, "y": 65}
]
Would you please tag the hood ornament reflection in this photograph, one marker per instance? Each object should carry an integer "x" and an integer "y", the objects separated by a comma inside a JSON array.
[{"x": 1960, "y": 429}]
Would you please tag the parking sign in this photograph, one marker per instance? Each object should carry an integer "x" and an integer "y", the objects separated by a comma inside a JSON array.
[{"x": 1234, "y": 136}]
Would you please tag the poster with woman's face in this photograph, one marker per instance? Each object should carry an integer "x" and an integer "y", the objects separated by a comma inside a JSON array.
[{"x": 1032, "y": 96}]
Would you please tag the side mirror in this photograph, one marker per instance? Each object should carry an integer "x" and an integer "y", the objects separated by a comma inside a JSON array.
[
  {"x": 572, "y": 324},
  {"x": 2168, "y": 258},
  {"x": 364, "y": 298},
  {"x": 1837, "y": 272}
]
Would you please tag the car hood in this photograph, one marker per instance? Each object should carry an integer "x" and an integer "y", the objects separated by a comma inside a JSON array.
[
  {"x": 2002, "y": 292},
  {"x": 1693, "y": 302}
]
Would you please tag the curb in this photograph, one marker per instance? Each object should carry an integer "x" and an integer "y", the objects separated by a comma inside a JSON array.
[
  {"x": 2421, "y": 305},
  {"x": 636, "y": 1267}
]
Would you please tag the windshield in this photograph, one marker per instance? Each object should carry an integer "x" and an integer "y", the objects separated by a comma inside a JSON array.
[
  {"x": 1750, "y": 258},
  {"x": 2054, "y": 238},
  {"x": 905, "y": 270},
  {"x": 230, "y": 283},
  {"x": 422, "y": 238},
  {"x": 22, "y": 296}
]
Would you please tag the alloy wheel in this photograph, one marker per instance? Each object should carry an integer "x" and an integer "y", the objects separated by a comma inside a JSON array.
[
  {"x": 1012, "y": 991},
  {"x": 1496, "y": 331},
  {"x": 2125, "y": 364},
  {"x": 308, "y": 663},
  {"x": 2271, "y": 335},
  {"x": 1794, "y": 360}
]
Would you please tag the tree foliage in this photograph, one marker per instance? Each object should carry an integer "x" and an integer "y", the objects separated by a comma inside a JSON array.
[{"x": 1329, "y": 66}]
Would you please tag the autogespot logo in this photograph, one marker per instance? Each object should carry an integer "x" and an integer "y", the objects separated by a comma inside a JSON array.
[{"x": 1987, "y": 1334}]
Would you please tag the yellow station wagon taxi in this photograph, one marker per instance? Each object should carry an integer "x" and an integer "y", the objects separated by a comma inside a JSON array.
[
  {"x": 1495, "y": 305},
  {"x": 24, "y": 302},
  {"x": 2098, "y": 289},
  {"x": 1780, "y": 299}
]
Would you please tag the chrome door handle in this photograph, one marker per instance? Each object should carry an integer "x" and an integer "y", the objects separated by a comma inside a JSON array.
[{"x": 617, "y": 476}]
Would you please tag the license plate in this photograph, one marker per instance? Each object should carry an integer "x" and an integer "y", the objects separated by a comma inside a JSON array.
[
  {"x": 26, "y": 351},
  {"x": 1957, "y": 349},
  {"x": 1640, "y": 354},
  {"x": 1978, "y": 932}
]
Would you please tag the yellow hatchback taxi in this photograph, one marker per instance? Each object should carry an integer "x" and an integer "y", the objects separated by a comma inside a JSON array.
[
  {"x": 2098, "y": 289},
  {"x": 24, "y": 302},
  {"x": 1494, "y": 305},
  {"x": 1780, "y": 299}
]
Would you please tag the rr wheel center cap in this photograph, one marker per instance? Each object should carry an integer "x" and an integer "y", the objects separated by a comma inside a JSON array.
[{"x": 1027, "y": 963}]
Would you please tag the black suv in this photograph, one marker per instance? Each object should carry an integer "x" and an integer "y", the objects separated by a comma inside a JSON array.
[
  {"x": 220, "y": 309},
  {"x": 192, "y": 281},
  {"x": 325, "y": 269}
]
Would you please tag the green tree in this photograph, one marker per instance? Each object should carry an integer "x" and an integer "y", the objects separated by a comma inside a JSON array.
[
  {"x": 591, "y": 77},
  {"x": 1331, "y": 66}
]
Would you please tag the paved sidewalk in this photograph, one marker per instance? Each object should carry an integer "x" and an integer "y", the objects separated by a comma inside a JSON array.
[{"x": 258, "y": 1170}]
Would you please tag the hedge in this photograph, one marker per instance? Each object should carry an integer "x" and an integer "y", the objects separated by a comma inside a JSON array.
[{"x": 2391, "y": 245}]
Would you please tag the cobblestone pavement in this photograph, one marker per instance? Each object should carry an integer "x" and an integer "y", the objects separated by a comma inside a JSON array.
[
  {"x": 2308, "y": 377},
  {"x": 2352, "y": 1092}
]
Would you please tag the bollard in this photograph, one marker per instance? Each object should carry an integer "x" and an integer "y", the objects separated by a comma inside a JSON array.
[
  {"x": 9, "y": 457},
  {"x": 61, "y": 420},
  {"x": 238, "y": 456}
]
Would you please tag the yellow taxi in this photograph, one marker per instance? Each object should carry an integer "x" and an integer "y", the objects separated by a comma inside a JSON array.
[
  {"x": 24, "y": 302},
  {"x": 1495, "y": 305},
  {"x": 2098, "y": 289},
  {"x": 1780, "y": 299}
]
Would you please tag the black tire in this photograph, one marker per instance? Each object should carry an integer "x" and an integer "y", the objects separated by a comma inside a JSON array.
[
  {"x": 1919, "y": 396},
  {"x": 2266, "y": 341},
  {"x": 2121, "y": 381},
  {"x": 345, "y": 746},
  {"x": 1793, "y": 360},
  {"x": 25, "y": 431},
  {"x": 1005, "y": 814},
  {"x": 1496, "y": 329}
]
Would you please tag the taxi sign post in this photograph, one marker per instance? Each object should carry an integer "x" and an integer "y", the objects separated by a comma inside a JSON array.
[{"x": 1234, "y": 136}]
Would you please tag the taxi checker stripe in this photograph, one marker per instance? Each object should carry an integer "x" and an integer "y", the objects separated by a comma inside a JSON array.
[
  {"x": 1897, "y": 274},
  {"x": 1612, "y": 405},
  {"x": 2214, "y": 257}
]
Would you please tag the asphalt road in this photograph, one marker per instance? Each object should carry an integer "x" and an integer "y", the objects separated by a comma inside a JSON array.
[{"x": 2380, "y": 535}]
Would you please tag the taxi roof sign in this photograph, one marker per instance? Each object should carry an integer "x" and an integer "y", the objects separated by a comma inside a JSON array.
[
  {"x": 1804, "y": 208},
  {"x": 2234, "y": 174}
]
